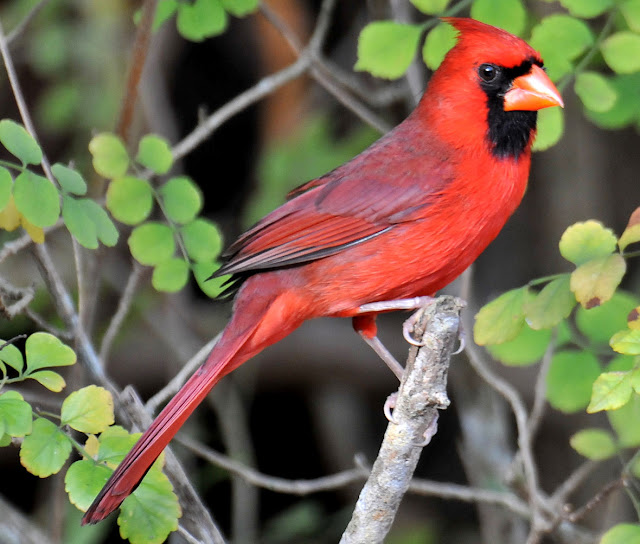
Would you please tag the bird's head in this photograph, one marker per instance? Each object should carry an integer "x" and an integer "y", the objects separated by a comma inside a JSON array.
[{"x": 495, "y": 82}]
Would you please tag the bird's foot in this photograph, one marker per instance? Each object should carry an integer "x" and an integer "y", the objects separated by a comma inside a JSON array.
[
  {"x": 389, "y": 405},
  {"x": 430, "y": 432}
]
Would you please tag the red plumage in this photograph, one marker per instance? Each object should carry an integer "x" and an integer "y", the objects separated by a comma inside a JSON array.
[{"x": 402, "y": 219}]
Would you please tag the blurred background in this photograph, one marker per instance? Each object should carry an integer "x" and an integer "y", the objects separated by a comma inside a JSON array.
[{"x": 306, "y": 406}]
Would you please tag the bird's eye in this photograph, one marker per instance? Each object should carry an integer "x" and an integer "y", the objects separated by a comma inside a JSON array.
[{"x": 488, "y": 72}]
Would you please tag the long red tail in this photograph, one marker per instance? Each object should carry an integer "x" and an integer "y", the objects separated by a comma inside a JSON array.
[{"x": 138, "y": 461}]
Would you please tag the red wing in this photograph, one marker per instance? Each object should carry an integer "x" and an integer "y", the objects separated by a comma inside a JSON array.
[{"x": 359, "y": 200}]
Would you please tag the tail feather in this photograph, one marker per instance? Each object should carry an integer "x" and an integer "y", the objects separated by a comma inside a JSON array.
[{"x": 137, "y": 462}]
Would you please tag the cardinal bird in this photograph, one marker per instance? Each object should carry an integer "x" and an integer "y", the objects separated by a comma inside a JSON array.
[{"x": 384, "y": 231}]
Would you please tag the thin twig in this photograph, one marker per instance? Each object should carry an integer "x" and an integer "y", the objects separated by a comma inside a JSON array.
[
  {"x": 83, "y": 288},
  {"x": 470, "y": 494},
  {"x": 273, "y": 483},
  {"x": 46, "y": 326},
  {"x": 575, "y": 479},
  {"x": 540, "y": 399},
  {"x": 524, "y": 438},
  {"x": 181, "y": 377},
  {"x": 124, "y": 305},
  {"x": 606, "y": 490},
  {"x": 22, "y": 25},
  {"x": 9, "y": 249},
  {"x": 283, "y": 28}
]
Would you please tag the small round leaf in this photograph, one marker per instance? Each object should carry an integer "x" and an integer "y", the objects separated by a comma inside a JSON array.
[
  {"x": 129, "y": 199},
  {"x": 621, "y": 51},
  {"x": 83, "y": 482},
  {"x": 240, "y": 8},
  {"x": 551, "y": 305},
  {"x": 88, "y": 410},
  {"x": 212, "y": 287},
  {"x": 526, "y": 348},
  {"x": 105, "y": 229},
  {"x": 16, "y": 416},
  {"x": 595, "y": 282},
  {"x": 386, "y": 48},
  {"x": 611, "y": 390},
  {"x": 37, "y": 199},
  {"x": 152, "y": 243},
  {"x": 170, "y": 276},
  {"x": 70, "y": 180},
  {"x": 79, "y": 223},
  {"x": 19, "y": 142},
  {"x": 502, "y": 319},
  {"x": 201, "y": 19},
  {"x": 182, "y": 199},
  {"x": 45, "y": 451},
  {"x": 510, "y": 15},
  {"x": 154, "y": 153},
  {"x": 587, "y": 9},
  {"x": 594, "y": 444},
  {"x": 570, "y": 380},
  {"x": 437, "y": 45},
  {"x": 550, "y": 128},
  {"x": 49, "y": 379},
  {"x": 110, "y": 157},
  {"x": 588, "y": 240},
  {"x": 631, "y": 12},
  {"x": 596, "y": 91},
  {"x": 623, "y": 533},
  {"x": 202, "y": 240},
  {"x": 600, "y": 323},
  {"x": 45, "y": 350},
  {"x": 430, "y": 7}
]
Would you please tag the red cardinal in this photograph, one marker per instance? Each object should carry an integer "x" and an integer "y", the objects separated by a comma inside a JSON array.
[{"x": 399, "y": 221}]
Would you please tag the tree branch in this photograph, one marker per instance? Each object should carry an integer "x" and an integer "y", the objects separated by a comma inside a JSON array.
[{"x": 421, "y": 395}]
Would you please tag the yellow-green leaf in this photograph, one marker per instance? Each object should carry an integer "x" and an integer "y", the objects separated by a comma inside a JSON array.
[
  {"x": 594, "y": 444},
  {"x": 595, "y": 282},
  {"x": 626, "y": 341},
  {"x": 584, "y": 241},
  {"x": 570, "y": 380},
  {"x": 49, "y": 379},
  {"x": 502, "y": 319},
  {"x": 551, "y": 305},
  {"x": 45, "y": 451},
  {"x": 631, "y": 234},
  {"x": 611, "y": 391},
  {"x": 88, "y": 410}
]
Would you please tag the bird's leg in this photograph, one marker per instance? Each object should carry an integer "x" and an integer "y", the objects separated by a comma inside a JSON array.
[{"x": 365, "y": 326}]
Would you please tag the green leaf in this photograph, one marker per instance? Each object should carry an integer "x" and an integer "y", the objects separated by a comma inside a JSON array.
[
  {"x": 37, "y": 199},
  {"x": 551, "y": 305},
  {"x": 502, "y": 319},
  {"x": 170, "y": 276},
  {"x": 5, "y": 440},
  {"x": 182, "y": 199},
  {"x": 601, "y": 323},
  {"x": 631, "y": 233},
  {"x": 154, "y": 153},
  {"x": 88, "y": 410},
  {"x": 631, "y": 12},
  {"x": 130, "y": 199},
  {"x": 585, "y": 241},
  {"x": 152, "y": 243},
  {"x": 586, "y": 9},
  {"x": 212, "y": 287},
  {"x": 83, "y": 482},
  {"x": 105, "y": 229},
  {"x": 202, "y": 240},
  {"x": 570, "y": 380},
  {"x": 437, "y": 45},
  {"x": 69, "y": 179},
  {"x": 45, "y": 350},
  {"x": 19, "y": 142},
  {"x": 151, "y": 512},
  {"x": 201, "y": 19},
  {"x": 12, "y": 356},
  {"x": 596, "y": 91},
  {"x": 624, "y": 423},
  {"x": 115, "y": 442},
  {"x": 45, "y": 451},
  {"x": 110, "y": 157},
  {"x": 625, "y": 110},
  {"x": 621, "y": 52},
  {"x": 626, "y": 341},
  {"x": 49, "y": 379},
  {"x": 386, "y": 48},
  {"x": 6, "y": 187},
  {"x": 550, "y": 128},
  {"x": 240, "y": 8},
  {"x": 611, "y": 391},
  {"x": 430, "y": 7},
  {"x": 594, "y": 444},
  {"x": 526, "y": 348},
  {"x": 595, "y": 282},
  {"x": 561, "y": 33},
  {"x": 623, "y": 533},
  {"x": 15, "y": 415},
  {"x": 79, "y": 222},
  {"x": 510, "y": 15}
]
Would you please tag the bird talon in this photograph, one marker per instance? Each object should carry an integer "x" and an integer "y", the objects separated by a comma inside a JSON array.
[
  {"x": 389, "y": 405},
  {"x": 462, "y": 338},
  {"x": 407, "y": 329},
  {"x": 430, "y": 432}
]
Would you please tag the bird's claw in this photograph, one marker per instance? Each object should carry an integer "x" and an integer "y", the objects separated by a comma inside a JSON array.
[
  {"x": 389, "y": 405},
  {"x": 407, "y": 330},
  {"x": 430, "y": 432},
  {"x": 462, "y": 338}
]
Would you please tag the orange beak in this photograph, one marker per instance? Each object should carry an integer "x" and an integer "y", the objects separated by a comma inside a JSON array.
[{"x": 532, "y": 92}]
